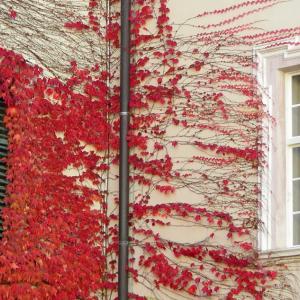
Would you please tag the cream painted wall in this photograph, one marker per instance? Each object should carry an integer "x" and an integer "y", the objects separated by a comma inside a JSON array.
[
  {"x": 284, "y": 15},
  {"x": 86, "y": 48}
]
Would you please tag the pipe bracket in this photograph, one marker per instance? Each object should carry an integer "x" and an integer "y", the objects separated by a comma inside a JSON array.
[{"x": 124, "y": 243}]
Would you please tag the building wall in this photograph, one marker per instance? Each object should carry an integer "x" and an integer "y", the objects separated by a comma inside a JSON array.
[
  {"x": 280, "y": 16},
  {"x": 42, "y": 41}
]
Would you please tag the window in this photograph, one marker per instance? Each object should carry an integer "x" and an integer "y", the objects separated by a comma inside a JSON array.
[
  {"x": 279, "y": 75},
  {"x": 293, "y": 156},
  {"x": 3, "y": 154}
]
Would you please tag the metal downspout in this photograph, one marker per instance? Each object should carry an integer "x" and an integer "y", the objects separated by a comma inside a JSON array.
[{"x": 124, "y": 168}]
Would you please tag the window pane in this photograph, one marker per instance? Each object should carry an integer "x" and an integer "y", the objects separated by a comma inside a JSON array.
[
  {"x": 296, "y": 162},
  {"x": 296, "y": 195},
  {"x": 296, "y": 89},
  {"x": 296, "y": 121},
  {"x": 296, "y": 230}
]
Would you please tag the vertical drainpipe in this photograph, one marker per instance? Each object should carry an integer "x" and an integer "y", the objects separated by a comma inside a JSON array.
[{"x": 124, "y": 168}]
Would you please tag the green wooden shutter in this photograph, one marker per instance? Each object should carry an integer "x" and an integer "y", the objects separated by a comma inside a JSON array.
[{"x": 3, "y": 154}]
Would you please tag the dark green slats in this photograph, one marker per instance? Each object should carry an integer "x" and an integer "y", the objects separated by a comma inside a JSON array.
[{"x": 3, "y": 154}]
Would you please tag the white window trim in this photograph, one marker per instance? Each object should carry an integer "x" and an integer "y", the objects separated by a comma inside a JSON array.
[
  {"x": 264, "y": 236},
  {"x": 289, "y": 56}
]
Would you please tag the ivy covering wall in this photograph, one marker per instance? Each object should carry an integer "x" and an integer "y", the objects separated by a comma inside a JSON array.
[{"x": 195, "y": 160}]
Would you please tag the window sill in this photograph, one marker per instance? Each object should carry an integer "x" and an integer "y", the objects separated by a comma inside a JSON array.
[{"x": 280, "y": 253}]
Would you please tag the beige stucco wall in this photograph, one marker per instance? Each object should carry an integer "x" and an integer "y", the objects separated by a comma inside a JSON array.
[
  {"x": 86, "y": 48},
  {"x": 284, "y": 15},
  {"x": 281, "y": 15}
]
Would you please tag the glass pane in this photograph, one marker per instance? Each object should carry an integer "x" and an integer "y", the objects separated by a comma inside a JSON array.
[
  {"x": 296, "y": 195},
  {"x": 296, "y": 89},
  {"x": 296, "y": 162},
  {"x": 296, "y": 230},
  {"x": 296, "y": 121}
]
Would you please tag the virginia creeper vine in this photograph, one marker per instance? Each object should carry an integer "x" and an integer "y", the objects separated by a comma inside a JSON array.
[{"x": 196, "y": 153}]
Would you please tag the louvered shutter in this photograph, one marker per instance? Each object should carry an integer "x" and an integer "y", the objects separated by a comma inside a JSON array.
[{"x": 3, "y": 154}]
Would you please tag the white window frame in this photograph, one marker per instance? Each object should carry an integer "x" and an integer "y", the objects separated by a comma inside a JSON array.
[
  {"x": 284, "y": 60},
  {"x": 291, "y": 142}
]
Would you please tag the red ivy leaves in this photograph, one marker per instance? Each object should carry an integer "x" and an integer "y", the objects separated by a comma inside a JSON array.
[
  {"x": 13, "y": 14},
  {"x": 112, "y": 33},
  {"x": 49, "y": 236},
  {"x": 53, "y": 246}
]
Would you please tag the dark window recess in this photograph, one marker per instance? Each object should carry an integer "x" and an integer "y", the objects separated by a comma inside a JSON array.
[{"x": 3, "y": 154}]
